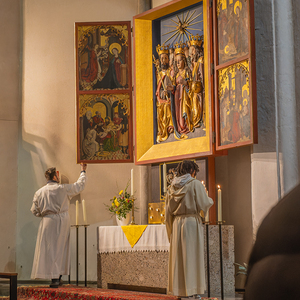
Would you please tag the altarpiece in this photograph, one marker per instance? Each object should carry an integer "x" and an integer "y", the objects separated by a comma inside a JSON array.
[{"x": 194, "y": 74}]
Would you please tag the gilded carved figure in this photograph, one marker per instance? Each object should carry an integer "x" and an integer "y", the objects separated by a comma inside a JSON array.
[
  {"x": 163, "y": 94},
  {"x": 180, "y": 88},
  {"x": 197, "y": 82}
]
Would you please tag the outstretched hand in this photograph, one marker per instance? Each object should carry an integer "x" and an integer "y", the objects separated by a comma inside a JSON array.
[{"x": 83, "y": 167}]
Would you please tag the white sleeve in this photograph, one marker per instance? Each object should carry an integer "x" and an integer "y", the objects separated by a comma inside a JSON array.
[
  {"x": 77, "y": 187},
  {"x": 35, "y": 209},
  {"x": 168, "y": 217},
  {"x": 203, "y": 201}
]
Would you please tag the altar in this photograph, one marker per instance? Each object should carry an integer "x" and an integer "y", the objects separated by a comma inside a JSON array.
[{"x": 144, "y": 267}]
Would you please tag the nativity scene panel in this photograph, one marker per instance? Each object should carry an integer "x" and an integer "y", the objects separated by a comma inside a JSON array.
[{"x": 104, "y": 128}]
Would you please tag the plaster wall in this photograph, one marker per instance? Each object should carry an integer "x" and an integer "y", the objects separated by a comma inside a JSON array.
[
  {"x": 156, "y": 3},
  {"x": 48, "y": 136},
  {"x": 9, "y": 122},
  {"x": 233, "y": 174}
]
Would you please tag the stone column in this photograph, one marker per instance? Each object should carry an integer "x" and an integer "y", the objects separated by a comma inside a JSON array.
[
  {"x": 143, "y": 5},
  {"x": 145, "y": 192},
  {"x": 285, "y": 93}
]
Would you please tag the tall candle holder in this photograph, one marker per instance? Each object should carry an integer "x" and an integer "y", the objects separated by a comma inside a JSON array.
[
  {"x": 132, "y": 212},
  {"x": 162, "y": 209},
  {"x": 77, "y": 253}
]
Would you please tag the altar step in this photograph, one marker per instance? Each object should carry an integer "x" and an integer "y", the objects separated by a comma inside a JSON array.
[{"x": 71, "y": 292}]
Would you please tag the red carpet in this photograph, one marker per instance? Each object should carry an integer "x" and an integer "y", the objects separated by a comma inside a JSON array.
[{"x": 71, "y": 292}]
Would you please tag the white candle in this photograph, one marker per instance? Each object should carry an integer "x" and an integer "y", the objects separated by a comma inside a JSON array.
[
  {"x": 207, "y": 214},
  {"x": 84, "y": 212},
  {"x": 219, "y": 204},
  {"x": 131, "y": 182},
  {"x": 77, "y": 211},
  {"x": 165, "y": 177},
  {"x": 207, "y": 217}
]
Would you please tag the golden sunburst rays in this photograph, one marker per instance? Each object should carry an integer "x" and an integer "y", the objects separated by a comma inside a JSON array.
[{"x": 184, "y": 25}]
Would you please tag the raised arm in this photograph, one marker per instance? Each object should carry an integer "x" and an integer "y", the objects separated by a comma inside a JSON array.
[{"x": 78, "y": 186}]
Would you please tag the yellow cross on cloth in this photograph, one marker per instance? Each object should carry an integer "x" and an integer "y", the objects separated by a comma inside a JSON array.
[{"x": 133, "y": 233}]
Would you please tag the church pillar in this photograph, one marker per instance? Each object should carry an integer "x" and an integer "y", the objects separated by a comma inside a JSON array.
[
  {"x": 143, "y": 5},
  {"x": 274, "y": 160},
  {"x": 264, "y": 158},
  {"x": 145, "y": 193},
  {"x": 283, "y": 34}
]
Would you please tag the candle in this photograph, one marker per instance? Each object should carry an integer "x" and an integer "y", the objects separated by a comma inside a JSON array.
[
  {"x": 131, "y": 182},
  {"x": 207, "y": 217},
  {"x": 84, "y": 212},
  {"x": 77, "y": 211},
  {"x": 165, "y": 177},
  {"x": 219, "y": 204}
]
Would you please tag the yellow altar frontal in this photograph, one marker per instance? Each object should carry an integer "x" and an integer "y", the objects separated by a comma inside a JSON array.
[{"x": 144, "y": 237}]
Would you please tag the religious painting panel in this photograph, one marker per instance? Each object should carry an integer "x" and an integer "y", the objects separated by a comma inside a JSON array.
[
  {"x": 232, "y": 29},
  {"x": 235, "y": 107},
  {"x": 103, "y": 56},
  {"x": 235, "y": 73},
  {"x": 176, "y": 101},
  {"x": 104, "y": 128},
  {"x": 170, "y": 170}
]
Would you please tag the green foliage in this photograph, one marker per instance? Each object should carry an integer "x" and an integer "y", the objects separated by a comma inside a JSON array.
[{"x": 121, "y": 204}]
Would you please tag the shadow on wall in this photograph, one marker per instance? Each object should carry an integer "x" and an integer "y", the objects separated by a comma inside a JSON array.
[
  {"x": 34, "y": 153},
  {"x": 11, "y": 265}
]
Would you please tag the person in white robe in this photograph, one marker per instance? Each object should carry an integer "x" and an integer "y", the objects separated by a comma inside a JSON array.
[
  {"x": 185, "y": 198},
  {"x": 51, "y": 204}
]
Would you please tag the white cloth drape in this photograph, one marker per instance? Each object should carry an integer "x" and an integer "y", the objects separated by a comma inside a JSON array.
[{"x": 112, "y": 239}]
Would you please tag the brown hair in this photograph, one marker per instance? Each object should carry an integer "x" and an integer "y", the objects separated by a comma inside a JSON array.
[
  {"x": 185, "y": 167},
  {"x": 50, "y": 173}
]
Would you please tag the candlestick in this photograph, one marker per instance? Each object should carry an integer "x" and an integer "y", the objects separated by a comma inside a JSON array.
[
  {"x": 77, "y": 212},
  {"x": 165, "y": 177},
  {"x": 207, "y": 217},
  {"x": 207, "y": 214},
  {"x": 219, "y": 204},
  {"x": 131, "y": 182},
  {"x": 132, "y": 213},
  {"x": 84, "y": 212}
]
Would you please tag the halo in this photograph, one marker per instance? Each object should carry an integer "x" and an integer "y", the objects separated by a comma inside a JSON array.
[
  {"x": 115, "y": 45},
  {"x": 237, "y": 3}
]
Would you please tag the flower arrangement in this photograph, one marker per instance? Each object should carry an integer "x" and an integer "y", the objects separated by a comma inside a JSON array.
[{"x": 121, "y": 204}]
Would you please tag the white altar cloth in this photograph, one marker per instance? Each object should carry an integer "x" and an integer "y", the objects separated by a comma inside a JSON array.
[{"x": 112, "y": 239}]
